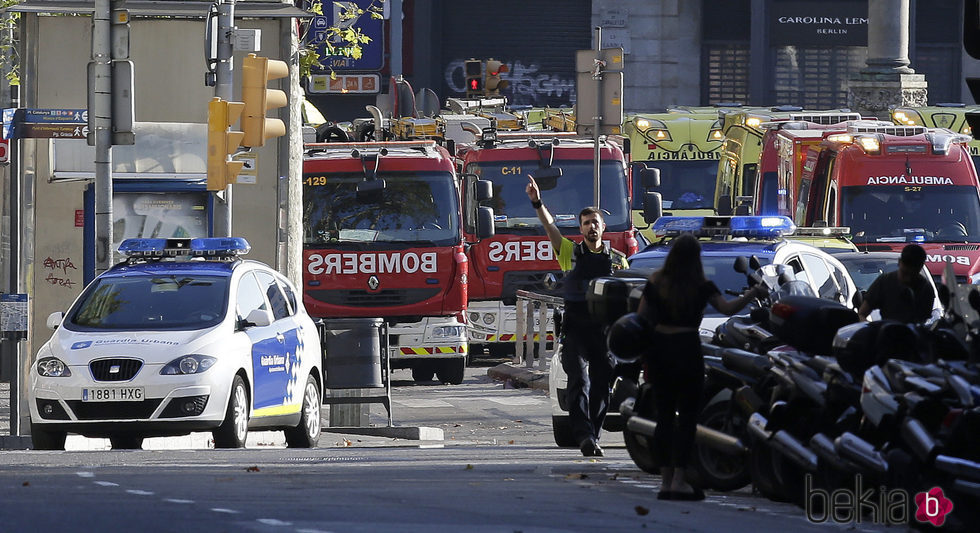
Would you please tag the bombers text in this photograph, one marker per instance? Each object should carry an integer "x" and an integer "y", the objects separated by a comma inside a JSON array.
[{"x": 369, "y": 263}]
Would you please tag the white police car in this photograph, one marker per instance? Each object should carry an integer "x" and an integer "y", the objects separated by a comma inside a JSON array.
[
  {"x": 182, "y": 336},
  {"x": 723, "y": 239}
]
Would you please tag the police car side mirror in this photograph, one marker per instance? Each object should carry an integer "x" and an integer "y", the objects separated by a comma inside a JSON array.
[
  {"x": 484, "y": 223},
  {"x": 652, "y": 206},
  {"x": 54, "y": 319},
  {"x": 259, "y": 317}
]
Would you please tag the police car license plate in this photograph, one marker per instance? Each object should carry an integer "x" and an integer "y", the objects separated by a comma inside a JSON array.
[{"x": 113, "y": 394}]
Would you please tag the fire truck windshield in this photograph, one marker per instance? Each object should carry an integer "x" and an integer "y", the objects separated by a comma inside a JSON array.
[
  {"x": 899, "y": 213},
  {"x": 412, "y": 208},
  {"x": 685, "y": 184},
  {"x": 564, "y": 196}
]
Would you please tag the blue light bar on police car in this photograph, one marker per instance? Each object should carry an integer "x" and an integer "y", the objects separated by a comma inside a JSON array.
[
  {"x": 762, "y": 227},
  {"x": 223, "y": 246},
  {"x": 737, "y": 226},
  {"x": 216, "y": 246}
]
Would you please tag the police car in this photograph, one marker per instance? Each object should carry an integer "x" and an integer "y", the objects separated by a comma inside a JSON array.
[
  {"x": 723, "y": 239},
  {"x": 182, "y": 336}
]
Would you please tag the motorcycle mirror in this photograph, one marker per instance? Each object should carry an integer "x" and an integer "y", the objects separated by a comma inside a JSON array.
[
  {"x": 754, "y": 263},
  {"x": 741, "y": 265}
]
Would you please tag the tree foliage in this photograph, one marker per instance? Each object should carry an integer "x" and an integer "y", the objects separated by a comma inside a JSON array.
[{"x": 344, "y": 38}]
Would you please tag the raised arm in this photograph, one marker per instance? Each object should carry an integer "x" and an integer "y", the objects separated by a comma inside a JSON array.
[
  {"x": 548, "y": 221},
  {"x": 730, "y": 307}
]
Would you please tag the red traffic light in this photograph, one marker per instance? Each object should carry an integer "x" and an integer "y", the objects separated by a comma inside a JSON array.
[{"x": 475, "y": 84}]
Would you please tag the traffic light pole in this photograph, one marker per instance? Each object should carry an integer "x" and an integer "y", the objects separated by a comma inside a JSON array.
[
  {"x": 223, "y": 90},
  {"x": 101, "y": 120}
]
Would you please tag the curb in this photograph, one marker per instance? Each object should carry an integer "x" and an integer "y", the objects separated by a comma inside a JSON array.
[{"x": 521, "y": 377}]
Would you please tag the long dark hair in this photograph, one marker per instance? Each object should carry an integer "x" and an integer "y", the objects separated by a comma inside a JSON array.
[{"x": 679, "y": 280}]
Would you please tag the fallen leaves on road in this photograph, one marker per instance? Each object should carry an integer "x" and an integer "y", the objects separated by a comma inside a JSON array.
[
  {"x": 641, "y": 510},
  {"x": 252, "y": 469},
  {"x": 577, "y": 476},
  {"x": 26, "y": 484},
  {"x": 469, "y": 467},
  {"x": 510, "y": 442}
]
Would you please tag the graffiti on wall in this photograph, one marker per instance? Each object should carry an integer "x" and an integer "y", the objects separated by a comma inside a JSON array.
[
  {"x": 58, "y": 274},
  {"x": 528, "y": 85}
]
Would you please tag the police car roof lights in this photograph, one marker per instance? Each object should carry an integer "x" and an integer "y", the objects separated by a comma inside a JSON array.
[
  {"x": 760, "y": 227},
  {"x": 202, "y": 247},
  {"x": 822, "y": 231}
]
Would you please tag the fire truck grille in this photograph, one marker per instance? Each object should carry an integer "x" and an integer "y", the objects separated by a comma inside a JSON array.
[
  {"x": 382, "y": 298},
  {"x": 962, "y": 247},
  {"x": 539, "y": 282},
  {"x": 115, "y": 369}
]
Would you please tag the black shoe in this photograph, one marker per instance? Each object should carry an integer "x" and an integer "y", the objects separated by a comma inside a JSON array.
[
  {"x": 695, "y": 496},
  {"x": 665, "y": 495},
  {"x": 590, "y": 448}
]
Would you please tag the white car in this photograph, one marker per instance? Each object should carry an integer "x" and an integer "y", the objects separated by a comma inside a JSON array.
[{"x": 182, "y": 336}]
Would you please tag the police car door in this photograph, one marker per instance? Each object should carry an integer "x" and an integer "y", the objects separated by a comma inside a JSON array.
[
  {"x": 267, "y": 349},
  {"x": 278, "y": 376}
]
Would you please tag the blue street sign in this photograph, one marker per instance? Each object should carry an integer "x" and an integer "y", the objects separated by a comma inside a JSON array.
[
  {"x": 372, "y": 53},
  {"x": 13, "y": 118},
  {"x": 56, "y": 116}
]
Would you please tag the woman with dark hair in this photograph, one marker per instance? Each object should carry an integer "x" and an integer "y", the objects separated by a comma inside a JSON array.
[{"x": 674, "y": 300}]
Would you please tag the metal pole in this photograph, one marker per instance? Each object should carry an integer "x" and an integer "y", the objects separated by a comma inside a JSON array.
[
  {"x": 102, "y": 121},
  {"x": 223, "y": 89},
  {"x": 396, "y": 37},
  {"x": 597, "y": 76}
]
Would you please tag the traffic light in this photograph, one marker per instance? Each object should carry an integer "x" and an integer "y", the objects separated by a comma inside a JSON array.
[
  {"x": 474, "y": 77},
  {"x": 222, "y": 142},
  {"x": 256, "y": 73},
  {"x": 494, "y": 84}
]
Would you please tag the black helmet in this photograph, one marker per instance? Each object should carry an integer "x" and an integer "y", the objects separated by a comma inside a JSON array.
[{"x": 628, "y": 338}]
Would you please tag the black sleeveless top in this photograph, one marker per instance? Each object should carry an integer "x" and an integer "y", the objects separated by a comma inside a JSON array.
[
  {"x": 586, "y": 266},
  {"x": 664, "y": 314}
]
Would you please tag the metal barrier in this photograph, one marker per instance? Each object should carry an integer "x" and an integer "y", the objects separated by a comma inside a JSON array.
[{"x": 527, "y": 303}]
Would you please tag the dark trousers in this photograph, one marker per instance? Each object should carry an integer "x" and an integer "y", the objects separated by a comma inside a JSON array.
[
  {"x": 584, "y": 360},
  {"x": 677, "y": 373}
]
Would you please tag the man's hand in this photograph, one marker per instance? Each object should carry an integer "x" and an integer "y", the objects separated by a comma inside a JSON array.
[{"x": 532, "y": 189}]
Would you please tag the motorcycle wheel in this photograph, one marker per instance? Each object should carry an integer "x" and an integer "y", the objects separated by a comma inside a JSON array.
[
  {"x": 640, "y": 448},
  {"x": 715, "y": 469},
  {"x": 762, "y": 470}
]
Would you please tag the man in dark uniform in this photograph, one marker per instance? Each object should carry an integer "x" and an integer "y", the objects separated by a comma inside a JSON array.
[
  {"x": 903, "y": 295},
  {"x": 583, "y": 342}
]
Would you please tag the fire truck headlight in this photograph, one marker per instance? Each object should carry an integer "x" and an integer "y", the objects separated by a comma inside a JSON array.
[
  {"x": 489, "y": 318},
  {"x": 474, "y": 317},
  {"x": 447, "y": 331}
]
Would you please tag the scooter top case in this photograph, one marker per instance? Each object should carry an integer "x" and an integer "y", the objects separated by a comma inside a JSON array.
[{"x": 809, "y": 323}]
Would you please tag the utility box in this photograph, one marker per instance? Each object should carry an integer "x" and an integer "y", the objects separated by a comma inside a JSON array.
[{"x": 352, "y": 355}]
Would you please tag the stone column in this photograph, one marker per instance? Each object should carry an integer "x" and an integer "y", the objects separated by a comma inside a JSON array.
[{"x": 887, "y": 81}]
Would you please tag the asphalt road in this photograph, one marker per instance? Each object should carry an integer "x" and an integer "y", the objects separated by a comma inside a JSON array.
[{"x": 496, "y": 470}]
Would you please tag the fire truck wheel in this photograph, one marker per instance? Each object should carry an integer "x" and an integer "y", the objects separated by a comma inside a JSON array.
[
  {"x": 422, "y": 372},
  {"x": 451, "y": 371}
]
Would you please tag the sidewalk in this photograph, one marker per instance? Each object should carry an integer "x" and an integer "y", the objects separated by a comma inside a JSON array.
[{"x": 520, "y": 376}]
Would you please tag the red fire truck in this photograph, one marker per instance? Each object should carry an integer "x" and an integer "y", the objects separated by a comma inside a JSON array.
[
  {"x": 894, "y": 185},
  {"x": 383, "y": 237},
  {"x": 519, "y": 256}
]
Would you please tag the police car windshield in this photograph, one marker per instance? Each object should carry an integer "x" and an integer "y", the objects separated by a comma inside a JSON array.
[
  {"x": 683, "y": 184},
  {"x": 151, "y": 302},
  {"x": 900, "y": 213},
  {"x": 412, "y": 208},
  {"x": 564, "y": 196},
  {"x": 717, "y": 268}
]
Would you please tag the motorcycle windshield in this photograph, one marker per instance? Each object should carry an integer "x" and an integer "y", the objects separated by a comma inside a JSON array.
[
  {"x": 904, "y": 213},
  {"x": 793, "y": 288},
  {"x": 565, "y": 196},
  {"x": 412, "y": 208}
]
